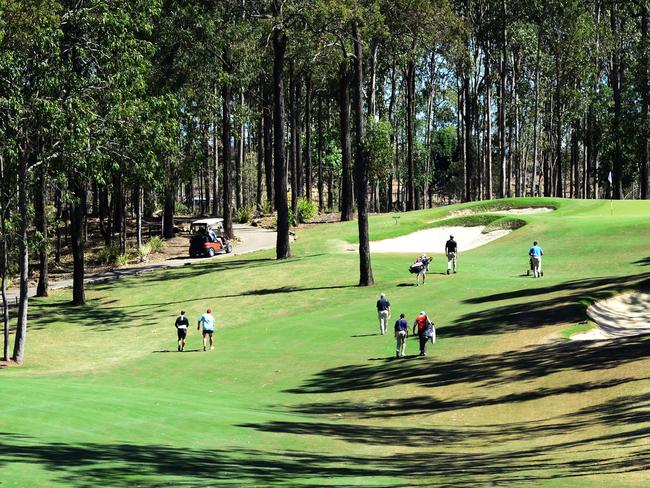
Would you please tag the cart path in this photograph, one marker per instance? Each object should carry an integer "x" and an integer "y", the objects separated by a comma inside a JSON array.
[{"x": 252, "y": 239}]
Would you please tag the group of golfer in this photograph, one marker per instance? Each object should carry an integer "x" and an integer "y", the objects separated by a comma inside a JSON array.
[
  {"x": 205, "y": 324},
  {"x": 422, "y": 325}
]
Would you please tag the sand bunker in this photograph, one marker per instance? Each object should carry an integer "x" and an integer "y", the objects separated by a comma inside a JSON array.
[
  {"x": 624, "y": 315},
  {"x": 433, "y": 240},
  {"x": 510, "y": 211}
]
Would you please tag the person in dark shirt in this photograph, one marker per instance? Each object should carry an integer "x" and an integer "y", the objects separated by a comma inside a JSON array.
[
  {"x": 401, "y": 333},
  {"x": 451, "y": 250},
  {"x": 383, "y": 312},
  {"x": 181, "y": 329}
]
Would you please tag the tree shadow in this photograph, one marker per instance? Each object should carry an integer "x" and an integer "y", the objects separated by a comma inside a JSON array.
[
  {"x": 482, "y": 370},
  {"x": 541, "y": 310},
  {"x": 83, "y": 465}
]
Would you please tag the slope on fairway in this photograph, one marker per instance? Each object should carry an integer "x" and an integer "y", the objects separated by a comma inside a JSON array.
[{"x": 302, "y": 391}]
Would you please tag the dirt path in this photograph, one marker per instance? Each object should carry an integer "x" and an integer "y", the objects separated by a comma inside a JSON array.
[{"x": 250, "y": 239}]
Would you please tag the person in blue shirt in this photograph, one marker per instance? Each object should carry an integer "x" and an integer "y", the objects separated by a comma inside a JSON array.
[
  {"x": 401, "y": 333},
  {"x": 207, "y": 320},
  {"x": 383, "y": 313},
  {"x": 536, "y": 254}
]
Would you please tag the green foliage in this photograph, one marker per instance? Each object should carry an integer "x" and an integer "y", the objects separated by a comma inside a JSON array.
[
  {"x": 182, "y": 209},
  {"x": 379, "y": 151},
  {"x": 144, "y": 251},
  {"x": 107, "y": 254},
  {"x": 121, "y": 260},
  {"x": 266, "y": 207},
  {"x": 156, "y": 243},
  {"x": 245, "y": 214},
  {"x": 307, "y": 209}
]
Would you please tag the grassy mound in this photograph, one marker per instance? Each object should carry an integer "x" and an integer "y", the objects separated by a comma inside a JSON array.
[{"x": 303, "y": 391}]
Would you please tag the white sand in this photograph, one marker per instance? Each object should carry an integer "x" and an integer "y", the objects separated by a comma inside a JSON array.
[
  {"x": 624, "y": 315},
  {"x": 523, "y": 211},
  {"x": 433, "y": 240},
  {"x": 510, "y": 211}
]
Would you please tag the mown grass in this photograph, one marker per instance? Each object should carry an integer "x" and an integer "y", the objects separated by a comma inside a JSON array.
[{"x": 301, "y": 390}]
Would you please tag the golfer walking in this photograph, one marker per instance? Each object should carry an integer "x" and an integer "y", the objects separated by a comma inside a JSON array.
[
  {"x": 181, "y": 330},
  {"x": 422, "y": 273},
  {"x": 423, "y": 327},
  {"x": 383, "y": 313},
  {"x": 207, "y": 320},
  {"x": 536, "y": 254},
  {"x": 401, "y": 333},
  {"x": 451, "y": 250}
]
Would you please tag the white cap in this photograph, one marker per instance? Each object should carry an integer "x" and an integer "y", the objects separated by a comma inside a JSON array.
[{"x": 422, "y": 313}]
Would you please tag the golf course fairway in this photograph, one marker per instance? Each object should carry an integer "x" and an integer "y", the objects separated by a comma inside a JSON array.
[{"x": 301, "y": 390}]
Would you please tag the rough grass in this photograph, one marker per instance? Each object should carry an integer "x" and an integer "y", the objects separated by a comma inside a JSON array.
[
  {"x": 302, "y": 391},
  {"x": 578, "y": 329}
]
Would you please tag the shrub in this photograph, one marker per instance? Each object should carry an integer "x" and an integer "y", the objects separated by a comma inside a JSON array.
[
  {"x": 182, "y": 209},
  {"x": 244, "y": 214},
  {"x": 144, "y": 251},
  {"x": 156, "y": 244},
  {"x": 306, "y": 210},
  {"x": 121, "y": 260},
  {"x": 108, "y": 254},
  {"x": 266, "y": 208}
]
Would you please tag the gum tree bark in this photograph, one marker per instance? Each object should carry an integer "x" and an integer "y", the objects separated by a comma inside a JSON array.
[
  {"x": 360, "y": 168},
  {"x": 282, "y": 247}
]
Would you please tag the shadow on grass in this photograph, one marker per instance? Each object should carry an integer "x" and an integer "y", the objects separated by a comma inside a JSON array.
[
  {"x": 496, "y": 462},
  {"x": 480, "y": 370},
  {"x": 176, "y": 351},
  {"x": 547, "y": 305}
]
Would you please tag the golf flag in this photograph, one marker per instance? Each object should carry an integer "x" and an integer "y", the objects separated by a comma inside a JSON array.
[{"x": 609, "y": 177}]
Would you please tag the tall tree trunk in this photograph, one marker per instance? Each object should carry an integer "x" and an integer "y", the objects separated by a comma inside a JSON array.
[
  {"x": 469, "y": 165},
  {"x": 239, "y": 162},
  {"x": 260, "y": 161},
  {"x": 533, "y": 182},
  {"x": 488, "y": 125},
  {"x": 293, "y": 139},
  {"x": 393, "y": 136},
  {"x": 23, "y": 251},
  {"x": 169, "y": 204},
  {"x": 559, "y": 190},
  {"x": 372, "y": 101},
  {"x": 4, "y": 270},
  {"x": 346, "y": 177},
  {"x": 215, "y": 161},
  {"x": 77, "y": 221},
  {"x": 226, "y": 95},
  {"x": 308, "y": 156},
  {"x": 411, "y": 201},
  {"x": 615, "y": 80},
  {"x": 207, "y": 163},
  {"x": 268, "y": 143},
  {"x": 138, "y": 215},
  {"x": 282, "y": 249},
  {"x": 320, "y": 153},
  {"x": 645, "y": 101},
  {"x": 298, "y": 118},
  {"x": 360, "y": 168},
  {"x": 502, "y": 102},
  {"x": 5, "y": 265},
  {"x": 40, "y": 207}
]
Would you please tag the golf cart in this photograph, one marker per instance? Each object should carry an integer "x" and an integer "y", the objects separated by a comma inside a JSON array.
[{"x": 207, "y": 238}]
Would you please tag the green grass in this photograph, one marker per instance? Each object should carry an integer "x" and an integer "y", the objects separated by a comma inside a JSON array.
[
  {"x": 578, "y": 329},
  {"x": 301, "y": 391}
]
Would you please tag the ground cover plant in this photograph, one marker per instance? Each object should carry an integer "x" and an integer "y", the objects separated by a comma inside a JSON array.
[{"x": 301, "y": 389}]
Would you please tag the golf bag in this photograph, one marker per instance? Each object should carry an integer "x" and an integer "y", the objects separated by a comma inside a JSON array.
[{"x": 416, "y": 268}]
